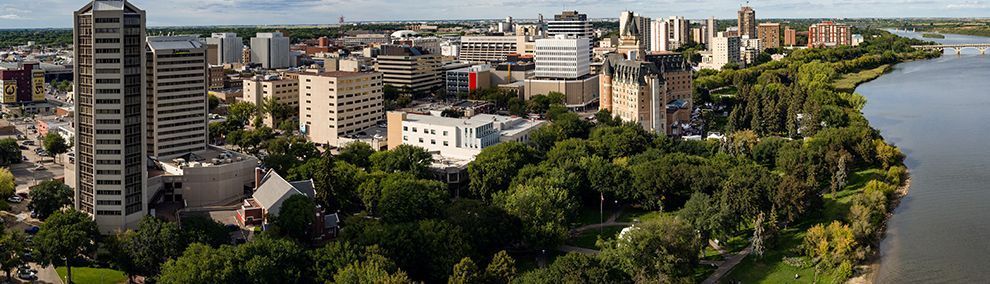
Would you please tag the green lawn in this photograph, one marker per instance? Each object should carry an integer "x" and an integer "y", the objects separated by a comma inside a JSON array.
[
  {"x": 587, "y": 239},
  {"x": 87, "y": 275},
  {"x": 632, "y": 215},
  {"x": 590, "y": 216},
  {"x": 848, "y": 82}
]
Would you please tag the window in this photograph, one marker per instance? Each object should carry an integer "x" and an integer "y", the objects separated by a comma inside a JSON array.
[
  {"x": 433, "y": 142},
  {"x": 420, "y": 140},
  {"x": 445, "y": 143},
  {"x": 445, "y": 133}
]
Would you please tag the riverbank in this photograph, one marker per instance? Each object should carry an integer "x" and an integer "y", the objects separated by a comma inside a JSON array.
[
  {"x": 849, "y": 82},
  {"x": 868, "y": 270}
]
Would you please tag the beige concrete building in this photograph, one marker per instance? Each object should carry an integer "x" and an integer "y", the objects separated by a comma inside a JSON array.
[
  {"x": 339, "y": 104},
  {"x": 177, "y": 102},
  {"x": 285, "y": 90},
  {"x": 109, "y": 49}
]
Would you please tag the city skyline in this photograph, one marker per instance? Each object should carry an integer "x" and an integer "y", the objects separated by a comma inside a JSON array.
[{"x": 52, "y": 13}]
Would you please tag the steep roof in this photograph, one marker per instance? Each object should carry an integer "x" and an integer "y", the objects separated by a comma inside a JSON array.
[
  {"x": 631, "y": 28},
  {"x": 274, "y": 190}
]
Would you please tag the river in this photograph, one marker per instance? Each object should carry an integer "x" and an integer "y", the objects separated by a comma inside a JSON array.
[{"x": 938, "y": 112}]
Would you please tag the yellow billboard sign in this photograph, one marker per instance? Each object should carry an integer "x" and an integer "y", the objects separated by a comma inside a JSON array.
[
  {"x": 9, "y": 89},
  {"x": 38, "y": 84}
]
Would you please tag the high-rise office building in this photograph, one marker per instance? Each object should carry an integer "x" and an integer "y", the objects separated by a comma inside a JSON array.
[
  {"x": 229, "y": 48},
  {"x": 829, "y": 34},
  {"x": 110, "y": 170},
  {"x": 337, "y": 104},
  {"x": 747, "y": 22},
  {"x": 570, "y": 24},
  {"x": 564, "y": 58},
  {"x": 271, "y": 50},
  {"x": 769, "y": 35},
  {"x": 177, "y": 122},
  {"x": 484, "y": 49},
  {"x": 409, "y": 69}
]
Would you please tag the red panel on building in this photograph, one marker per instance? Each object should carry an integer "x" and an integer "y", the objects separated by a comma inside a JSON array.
[{"x": 472, "y": 81}]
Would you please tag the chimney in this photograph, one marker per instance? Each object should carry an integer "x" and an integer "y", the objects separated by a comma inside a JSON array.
[{"x": 258, "y": 173}]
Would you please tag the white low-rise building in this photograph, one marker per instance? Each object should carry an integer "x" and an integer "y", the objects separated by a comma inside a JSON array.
[{"x": 457, "y": 138}]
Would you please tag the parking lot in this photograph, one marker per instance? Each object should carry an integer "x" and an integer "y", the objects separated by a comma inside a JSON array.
[{"x": 27, "y": 173}]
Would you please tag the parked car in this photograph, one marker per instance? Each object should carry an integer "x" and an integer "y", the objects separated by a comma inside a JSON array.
[
  {"x": 32, "y": 230},
  {"x": 23, "y": 195},
  {"x": 15, "y": 199},
  {"x": 27, "y": 275},
  {"x": 28, "y": 143},
  {"x": 22, "y": 147},
  {"x": 39, "y": 168}
]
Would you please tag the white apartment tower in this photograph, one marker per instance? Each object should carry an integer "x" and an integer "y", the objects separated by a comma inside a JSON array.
[
  {"x": 271, "y": 50},
  {"x": 109, "y": 77},
  {"x": 563, "y": 58},
  {"x": 723, "y": 50},
  {"x": 712, "y": 29},
  {"x": 230, "y": 48},
  {"x": 570, "y": 24},
  {"x": 177, "y": 104},
  {"x": 669, "y": 34}
]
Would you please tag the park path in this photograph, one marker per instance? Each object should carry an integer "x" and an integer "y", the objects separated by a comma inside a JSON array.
[
  {"x": 728, "y": 265},
  {"x": 610, "y": 222}
]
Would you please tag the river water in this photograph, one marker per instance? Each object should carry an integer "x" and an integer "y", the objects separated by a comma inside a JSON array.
[{"x": 938, "y": 112}]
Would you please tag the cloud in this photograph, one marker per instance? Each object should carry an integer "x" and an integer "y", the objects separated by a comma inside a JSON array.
[
  {"x": 969, "y": 5},
  {"x": 58, "y": 13}
]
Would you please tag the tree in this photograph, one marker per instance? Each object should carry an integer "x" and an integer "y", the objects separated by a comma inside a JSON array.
[
  {"x": 8, "y": 186},
  {"x": 295, "y": 216},
  {"x": 49, "y": 196},
  {"x": 492, "y": 169},
  {"x": 201, "y": 263},
  {"x": 155, "y": 242},
  {"x": 465, "y": 272},
  {"x": 241, "y": 112},
  {"x": 405, "y": 198},
  {"x": 662, "y": 250},
  {"x": 357, "y": 153},
  {"x": 502, "y": 268},
  {"x": 9, "y": 152},
  {"x": 12, "y": 244},
  {"x": 577, "y": 268},
  {"x": 332, "y": 257},
  {"x": 201, "y": 229},
  {"x": 375, "y": 269},
  {"x": 213, "y": 102},
  {"x": 336, "y": 183},
  {"x": 65, "y": 236},
  {"x": 489, "y": 228},
  {"x": 405, "y": 158},
  {"x": 620, "y": 141},
  {"x": 830, "y": 246},
  {"x": 545, "y": 212}
]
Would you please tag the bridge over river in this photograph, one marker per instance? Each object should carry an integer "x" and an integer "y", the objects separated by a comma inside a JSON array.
[{"x": 982, "y": 47}]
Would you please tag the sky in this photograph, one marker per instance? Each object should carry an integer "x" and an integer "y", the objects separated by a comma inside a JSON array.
[{"x": 58, "y": 13}]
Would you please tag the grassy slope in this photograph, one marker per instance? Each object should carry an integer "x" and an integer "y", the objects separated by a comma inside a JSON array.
[
  {"x": 772, "y": 268},
  {"x": 848, "y": 82}
]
